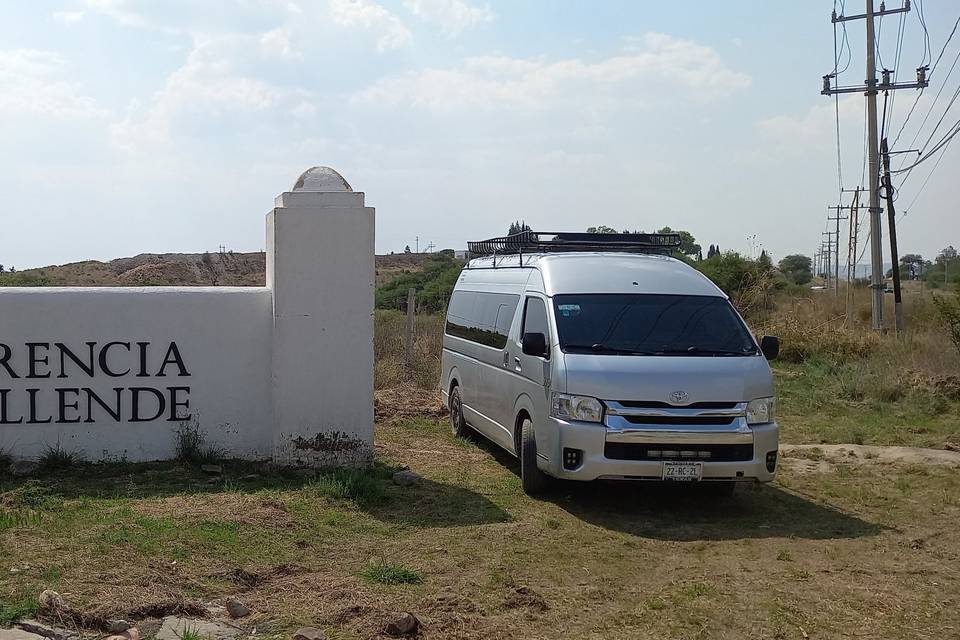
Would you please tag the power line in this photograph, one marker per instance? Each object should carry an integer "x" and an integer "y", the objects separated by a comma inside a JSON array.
[{"x": 932, "y": 105}]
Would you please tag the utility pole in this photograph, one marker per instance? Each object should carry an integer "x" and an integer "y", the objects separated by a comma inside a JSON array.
[
  {"x": 870, "y": 90},
  {"x": 836, "y": 238},
  {"x": 852, "y": 251},
  {"x": 892, "y": 222},
  {"x": 828, "y": 263}
]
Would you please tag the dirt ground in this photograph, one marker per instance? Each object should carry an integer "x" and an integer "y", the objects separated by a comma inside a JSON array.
[{"x": 840, "y": 546}]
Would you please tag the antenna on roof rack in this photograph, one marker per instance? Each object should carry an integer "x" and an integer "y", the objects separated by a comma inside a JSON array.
[{"x": 553, "y": 242}]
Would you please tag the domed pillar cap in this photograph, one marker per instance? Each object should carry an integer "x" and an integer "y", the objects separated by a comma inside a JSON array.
[{"x": 321, "y": 179}]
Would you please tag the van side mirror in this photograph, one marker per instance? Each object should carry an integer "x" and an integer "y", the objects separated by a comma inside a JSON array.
[
  {"x": 535, "y": 344},
  {"x": 770, "y": 347}
]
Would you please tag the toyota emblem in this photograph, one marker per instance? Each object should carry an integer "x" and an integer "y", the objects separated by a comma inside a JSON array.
[{"x": 679, "y": 397}]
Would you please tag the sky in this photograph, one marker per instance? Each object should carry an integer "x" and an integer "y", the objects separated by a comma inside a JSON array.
[{"x": 133, "y": 126}]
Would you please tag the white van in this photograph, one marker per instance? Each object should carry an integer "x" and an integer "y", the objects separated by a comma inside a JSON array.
[{"x": 596, "y": 356}]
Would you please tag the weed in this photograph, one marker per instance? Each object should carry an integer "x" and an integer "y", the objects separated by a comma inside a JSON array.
[
  {"x": 858, "y": 435},
  {"x": 5, "y": 461},
  {"x": 56, "y": 458},
  {"x": 190, "y": 447},
  {"x": 360, "y": 486},
  {"x": 190, "y": 633},
  {"x": 903, "y": 484},
  {"x": 386, "y": 573},
  {"x": 552, "y": 523},
  {"x": 656, "y": 604},
  {"x": 10, "y": 612},
  {"x": 784, "y": 556}
]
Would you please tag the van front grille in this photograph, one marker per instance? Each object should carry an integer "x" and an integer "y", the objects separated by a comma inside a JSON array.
[
  {"x": 654, "y": 404},
  {"x": 681, "y": 420},
  {"x": 672, "y": 451}
]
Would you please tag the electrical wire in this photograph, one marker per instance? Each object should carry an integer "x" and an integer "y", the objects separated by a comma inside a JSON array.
[
  {"x": 932, "y": 106},
  {"x": 930, "y": 73}
]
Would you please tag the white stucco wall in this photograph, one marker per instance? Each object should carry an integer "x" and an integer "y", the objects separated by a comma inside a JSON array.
[{"x": 282, "y": 371}]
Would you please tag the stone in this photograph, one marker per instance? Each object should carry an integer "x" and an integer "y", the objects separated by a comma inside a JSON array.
[
  {"x": 405, "y": 624},
  {"x": 212, "y": 469},
  {"x": 407, "y": 478},
  {"x": 52, "y": 633},
  {"x": 21, "y": 468},
  {"x": 148, "y": 628},
  {"x": 117, "y": 626},
  {"x": 237, "y": 609},
  {"x": 129, "y": 634},
  {"x": 173, "y": 628},
  {"x": 309, "y": 633},
  {"x": 18, "y": 634},
  {"x": 50, "y": 600}
]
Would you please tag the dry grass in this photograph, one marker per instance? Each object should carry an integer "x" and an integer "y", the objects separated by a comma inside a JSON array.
[
  {"x": 389, "y": 350},
  {"x": 853, "y": 549}
]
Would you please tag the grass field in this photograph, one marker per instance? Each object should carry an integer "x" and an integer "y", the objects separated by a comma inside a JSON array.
[{"x": 852, "y": 549}]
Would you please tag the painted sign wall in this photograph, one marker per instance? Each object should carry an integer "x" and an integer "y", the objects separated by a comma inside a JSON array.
[{"x": 282, "y": 371}]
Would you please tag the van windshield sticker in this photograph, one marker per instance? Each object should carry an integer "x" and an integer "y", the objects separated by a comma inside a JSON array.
[{"x": 569, "y": 310}]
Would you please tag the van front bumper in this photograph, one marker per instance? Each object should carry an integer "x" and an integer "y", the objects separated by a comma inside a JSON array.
[{"x": 591, "y": 440}]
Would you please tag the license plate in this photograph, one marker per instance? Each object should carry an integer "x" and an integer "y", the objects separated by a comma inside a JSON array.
[{"x": 683, "y": 471}]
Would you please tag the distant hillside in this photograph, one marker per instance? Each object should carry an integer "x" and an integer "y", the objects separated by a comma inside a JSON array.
[{"x": 183, "y": 269}]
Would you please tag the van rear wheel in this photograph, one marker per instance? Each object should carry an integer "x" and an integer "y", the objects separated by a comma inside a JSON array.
[
  {"x": 533, "y": 479},
  {"x": 458, "y": 425}
]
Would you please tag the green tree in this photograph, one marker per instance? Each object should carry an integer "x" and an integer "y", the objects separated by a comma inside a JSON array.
[
  {"x": 688, "y": 244},
  {"x": 518, "y": 227},
  {"x": 797, "y": 267},
  {"x": 601, "y": 229}
]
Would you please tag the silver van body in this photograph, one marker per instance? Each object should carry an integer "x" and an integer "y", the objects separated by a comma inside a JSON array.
[{"x": 684, "y": 414}]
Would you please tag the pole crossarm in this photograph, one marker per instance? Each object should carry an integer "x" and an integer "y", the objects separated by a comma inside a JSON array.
[{"x": 860, "y": 16}]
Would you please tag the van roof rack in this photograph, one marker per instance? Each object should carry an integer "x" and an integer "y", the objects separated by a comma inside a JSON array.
[{"x": 553, "y": 241}]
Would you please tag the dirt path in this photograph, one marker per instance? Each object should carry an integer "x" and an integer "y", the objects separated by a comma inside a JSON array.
[{"x": 821, "y": 457}]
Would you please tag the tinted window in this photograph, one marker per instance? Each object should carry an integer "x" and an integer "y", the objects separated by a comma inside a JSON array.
[
  {"x": 639, "y": 324},
  {"x": 535, "y": 317},
  {"x": 484, "y": 318}
]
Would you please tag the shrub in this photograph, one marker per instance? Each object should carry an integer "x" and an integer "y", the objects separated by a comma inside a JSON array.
[
  {"x": 434, "y": 285},
  {"x": 949, "y": 311},
  {"x": 56, "y": 458},
  {"x": 190, "y": 447}
]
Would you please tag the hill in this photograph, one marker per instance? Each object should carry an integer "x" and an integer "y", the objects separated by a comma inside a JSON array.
[{"x": 183, "y": 269}]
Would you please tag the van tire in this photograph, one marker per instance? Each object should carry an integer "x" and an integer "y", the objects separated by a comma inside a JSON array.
[
  {"x": 533, "y": 479},
  {"x": 458, "y": 425}
]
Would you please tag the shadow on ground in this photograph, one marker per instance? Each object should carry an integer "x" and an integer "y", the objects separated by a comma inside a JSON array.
[
  {"x": 428, "y": 504},
  {"x": 689, "y": 512}
]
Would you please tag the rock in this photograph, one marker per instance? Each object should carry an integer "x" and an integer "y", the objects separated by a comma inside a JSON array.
[
  {"x": 212, "y": 469},
  {"x": 52, "y": 633},
  {"x": 148, "y": 628},
  {"x": 117, "y": 626},
  {"x": 129, "y": 634},
  {"x": 309, "y": 633},
  {"x": 173, "y": 628},
  {"x": 21, "y": 468},
  {"x": 407, "y": 478},
  {"x": 404, "y": 625},
  {"x": 237, "y": 609},
  {"x": 18, "y": 634},
  {"x": 51, "y": 601}
]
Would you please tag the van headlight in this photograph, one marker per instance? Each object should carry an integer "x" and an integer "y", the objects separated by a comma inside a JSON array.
[
  {"x": 761, "y": 410},
  {"x": 583, "y": 408}
]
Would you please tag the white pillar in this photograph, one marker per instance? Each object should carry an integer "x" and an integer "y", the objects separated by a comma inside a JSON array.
[{"x": 320, "y": 266}]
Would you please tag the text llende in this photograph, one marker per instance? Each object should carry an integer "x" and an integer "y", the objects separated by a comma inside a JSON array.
[{"x": 72, "y": 370}]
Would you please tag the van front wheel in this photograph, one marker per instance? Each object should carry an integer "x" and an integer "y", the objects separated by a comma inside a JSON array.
[{"x": 533, "y": 479}]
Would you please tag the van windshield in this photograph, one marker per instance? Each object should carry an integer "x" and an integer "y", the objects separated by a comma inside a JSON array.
[{"x": 651, "y": 324}]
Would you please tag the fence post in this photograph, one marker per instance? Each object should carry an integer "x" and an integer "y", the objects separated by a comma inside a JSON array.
[{"x": 411, "y": 324}]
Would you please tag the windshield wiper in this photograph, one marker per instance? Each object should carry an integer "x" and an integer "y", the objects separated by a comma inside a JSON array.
[
  {"x": 697, "y": 351},
  {"x": 602, "y": 348}
]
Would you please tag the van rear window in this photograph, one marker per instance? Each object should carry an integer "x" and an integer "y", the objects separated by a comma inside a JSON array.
[
  {"x": 651, "y": 324},
  {"x": 484, "y": 318}
]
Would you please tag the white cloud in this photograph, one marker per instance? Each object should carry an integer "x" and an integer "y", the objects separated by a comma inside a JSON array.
[
  {"x": 631, "y": 78},
  {"x": 34, "y": 82},
  {"x": 815, "y": 129},
  {"x": 276, "y": 42},
  {"x": 207, "y": 91},
  {"x": 68, "y": 17},
  {"x": 453, "y": 16},
  {"x": 364, "y": 14}
]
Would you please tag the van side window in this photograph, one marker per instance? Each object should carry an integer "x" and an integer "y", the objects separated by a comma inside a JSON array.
[
  {"x": 535, "y": 318},
  {"x": 484, "y": 318}
]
